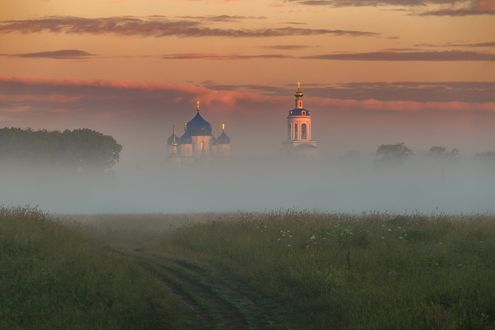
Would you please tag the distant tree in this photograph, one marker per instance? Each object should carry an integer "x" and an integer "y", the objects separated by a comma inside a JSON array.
[
  {"x": 486, "y": 156},
  {"x": 442, "y": 152},
  {"x": 80, "y": 149},
  {"x": 393, "y": 152}
]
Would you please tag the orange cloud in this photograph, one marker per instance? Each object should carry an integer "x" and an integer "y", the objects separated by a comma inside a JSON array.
[
  {"x": 58, "y": 92},
  {"x": 486, "y": 5}
]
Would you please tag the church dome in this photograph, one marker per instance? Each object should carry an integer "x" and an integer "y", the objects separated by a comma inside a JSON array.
[
  {"x": 223, "y": 138},
  {"x": 173, "y": 139},
  {"x": 198, "y": 126},
  {"x": 186, "y": 138}
]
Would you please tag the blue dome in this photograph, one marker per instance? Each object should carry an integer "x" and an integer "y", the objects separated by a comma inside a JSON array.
[
  {"x": 223, "y": 138},
  {"x": 186, "y": 138},
  {"x": 198, "y": 126},
  {"x": 299, "y": 112}
]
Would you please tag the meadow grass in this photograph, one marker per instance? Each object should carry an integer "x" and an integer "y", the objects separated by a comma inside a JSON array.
[
  {"x": 56, "y": 277},
  {"x": 373, "y": 271}
]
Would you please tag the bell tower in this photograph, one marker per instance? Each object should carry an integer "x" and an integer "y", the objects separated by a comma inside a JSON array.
[{"x": 299, "y": 130}]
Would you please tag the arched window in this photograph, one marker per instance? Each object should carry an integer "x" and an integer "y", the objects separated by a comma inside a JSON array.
[
  {"x": 289, "y": 132},
  {"x": 295, "y": 132},
  {"x": 304, "y": 131}
]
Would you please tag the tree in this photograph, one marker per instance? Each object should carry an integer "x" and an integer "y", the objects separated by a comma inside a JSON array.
[
  {"x": 486, "y": 156},
  {"x": 393, "y": 152},
  {"x": 442, "y": 152},
  {"x": 80, "y": 149}
]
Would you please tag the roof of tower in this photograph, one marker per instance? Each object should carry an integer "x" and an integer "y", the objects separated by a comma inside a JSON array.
[
  {"x": 299, "y": 112},
  {"x": 173, "y": 139},
  {"x": 186, "y": 138},
  {"x": 198, "y": 126},
  {"x": 223, "y": 138},
  {"x": 299, "y": 92}
]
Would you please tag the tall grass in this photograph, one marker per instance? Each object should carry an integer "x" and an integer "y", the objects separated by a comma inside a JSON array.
[
  {"x": 372, "y": 271},
  {"x": 53, "y": 277}
]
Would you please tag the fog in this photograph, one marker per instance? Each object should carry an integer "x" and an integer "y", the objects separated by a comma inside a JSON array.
[
  {"x": 346, "y": 177},
  {"x": 350, "y": 182}
]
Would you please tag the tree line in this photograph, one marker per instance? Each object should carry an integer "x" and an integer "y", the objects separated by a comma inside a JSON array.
[
  {"x": 399, "y": 152},
  {"x": 79, "y": 149}
]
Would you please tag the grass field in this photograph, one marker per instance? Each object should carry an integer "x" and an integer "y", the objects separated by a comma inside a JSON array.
[
  {"x": 54, "y": 277},
  {"x": 372, "y": 271},
  {"x": 287, "y": 270}
]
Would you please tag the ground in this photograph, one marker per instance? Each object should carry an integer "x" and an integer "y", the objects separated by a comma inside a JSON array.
[{"x": 282, "y": 270}]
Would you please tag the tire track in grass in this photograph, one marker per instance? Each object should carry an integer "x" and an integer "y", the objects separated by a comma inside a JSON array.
[
  {"x": 257, "y": 309},
  {"x": 223, "y": 311},
  {"x": 202, "y": 314},
  {"x": 203, "y": 318}
]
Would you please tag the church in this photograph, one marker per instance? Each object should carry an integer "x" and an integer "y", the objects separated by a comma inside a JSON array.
[
  {"x": 299, "y": 139},
  {"x": 197, "y": 142}
]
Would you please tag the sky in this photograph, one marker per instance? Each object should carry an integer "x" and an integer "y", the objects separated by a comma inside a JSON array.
[{"x": 373, "y": 71}]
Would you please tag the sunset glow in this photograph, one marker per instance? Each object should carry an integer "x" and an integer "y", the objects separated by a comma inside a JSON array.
[{"x": 73, "y": 64}]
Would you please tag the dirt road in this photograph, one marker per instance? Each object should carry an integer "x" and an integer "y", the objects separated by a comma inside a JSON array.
[{"x": 215, "y": 302}]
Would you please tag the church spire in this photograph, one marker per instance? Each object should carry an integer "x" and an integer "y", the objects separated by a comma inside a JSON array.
[
  {"x": 198, "y": 104},
  {"x": 299, "y": 95}
]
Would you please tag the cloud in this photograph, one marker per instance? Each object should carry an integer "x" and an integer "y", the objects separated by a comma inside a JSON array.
[
  {"x": 372, "y": 3},
  {"x": 93, "y": 99},
  {"x": 462, "y": 91},
  {"x": 387, "y": 55},
  {"x": 212, "y": 56},
  {"x": 57, "y": 54},
  {"x": 452, "y": 44},
  {"x": 287, "y": 47},
  {"x": 43, "y": 92},
  {"x": 156, "y": 26},
  {"x": 449, "y": 7},
  {"x": 457, "y": 12},
  {"x": 452, "y": 55},
  {"x": 295, "y": 23},
  {"x": 222, "y": 18},
  {"x": 474, "y": 7},
  {"x": 476, "y": 44}
]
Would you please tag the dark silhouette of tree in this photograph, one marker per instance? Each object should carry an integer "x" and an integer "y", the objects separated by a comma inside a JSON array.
[
  {"x": 486, "y": 156},
  {"x": 442, "y": 152},
  {"x": 80, "y": 149},
  {"x": 393, "y": 152}
]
